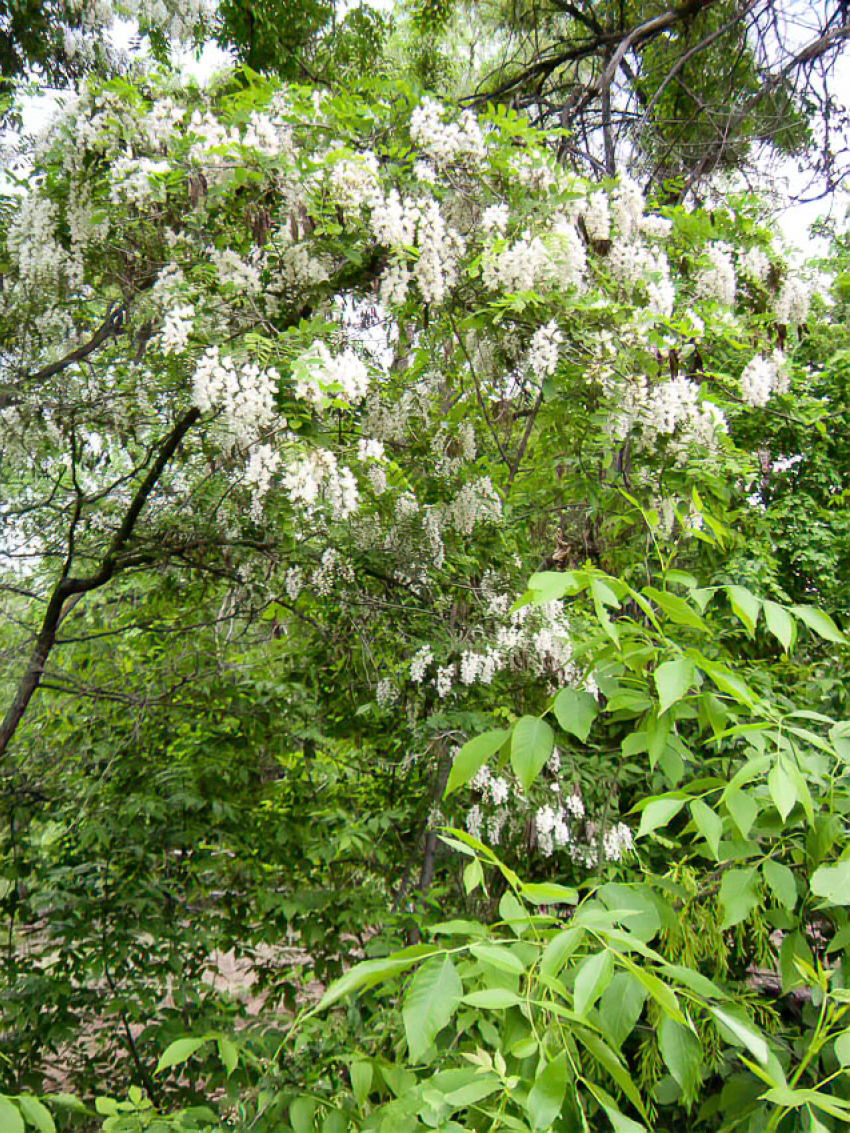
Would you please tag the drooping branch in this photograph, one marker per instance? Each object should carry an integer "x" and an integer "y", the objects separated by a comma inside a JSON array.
[{"x": 69, "y": 588}]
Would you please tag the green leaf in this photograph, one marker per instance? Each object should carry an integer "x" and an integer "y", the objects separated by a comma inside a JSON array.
[
  {"x": 832, "y": 882},
  {"x": 676, "y": 608},
  {"x": 745, "y": 605},
  {"x": 301, "y": 1112},
  {"x": 10, "y": 1116},
  {"x": 370, "y": 972},
  {"x": 782, "y": 789},
  {"x": 559, "y": 949},
  {"x": 178, "y": 1052},
  {"x": 744, "y": 1032},
  {"x": 620, "y": 1006},
  {"x": 549, "y": 585},
  {"x": 500, "y": 956},
  {"x": 546, "y": 1096},
  {"x": 472, "y": 755},
  {"x": 493, "y": 998},
  {"x": 673, "y": 679},
  {"x": 619, "y": 1121},
  {"x": 657, "y": 813},
  {"x": 742, "y": 807},
  {"x": 842, "y": 1048},
  {"x": 37, "y": 1114},
  {"x": 361, "y": 1080},
  {"x": 682, "y": 1053},
  {"x": 821, "y": 623},
  {"x": 531, "y": 745},
  {"x": 709, "y": 824},
  {"x": 430, "y": 1002},
  {"x": 781, "y": 880},
  {"x": 592, "y": 977},
  {"x": 781, "y": 624},
  {"x": 228, "y": 1052},
  {"x": 575, "y": 710},
  {"x": 738, "y": 895},
  {"x": 548, "y": 893}
]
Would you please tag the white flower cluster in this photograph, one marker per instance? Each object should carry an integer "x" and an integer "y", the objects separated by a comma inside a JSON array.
[
  {"x": 664, "y": 409},
  {"x": 244, "y": 395},
  {"x": 597, "y": 216},
  {"x": 754, "y": 264},
  {"x": 178, "y": 324},
  {"x": 405, "y": 224},
  {"x": 633, "y": 263},
  {"x": 446, "y": 142},
  {"x": 627, "y": 205},
  {"x": 233, "y": 271},
  {"x": 554, "y": 259},
  {"x": 321, "y": 378},
  {"x": 419, "y": 664},
  {"x": 495, "y": 218},
  {"x": 317, "y": 479},
  {"x": 716, "y": 280},
  {"x": 353, "y": 182},
  {"x": 762, "y": 377},
  {"x": 476, "y": 502},
  {"x": 40, "y": 259},
  {"x": 138, "y": 180},
  {"x": 792, "y": 306},
  {"x": 262, "y": 465},
  {"x": 542, "y": 357}
]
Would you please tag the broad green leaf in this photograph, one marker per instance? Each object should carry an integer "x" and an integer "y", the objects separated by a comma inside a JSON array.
[
  {"x": 781, "y": 624},
  {"x": 548, "y": 893},
  {"x": 708, "y": 823},
  {"x": 228, "y": 1052},
  {"x": 620, "y": 1006},
  {"x": 839, "y": 735},
  {"x": 738, "y": 895},
  {"x": 473, "y": 755},
  {"x": 493, "y": 998},
  {"x": 10, "y": 1116},
  {"x": 37, "y": 1114},
  {"x": 179, "y": 1051},
  {"x": 842, "y": 1048},
  {"x": 781, "y": 880},
  {"x": 782, "y": 789},
  {"x": 531, "y": 745},
  {"x": 682, "y": 1053},
  {"x": 370, "y": 972},
  {"x": 832, "y": 882},
  {"x": 745, "y": 606},
  {"x": 663, "y": 995},
  {"x": 430, "y": 1001},
  {"x": 592, "y": 978},
  {"x": 742, "y": 807},
  {"x": 361, "y": 1080},
  {"x": 546, "y": 1095},
  {"x": 612, "y": 1062},
  {"x": 575, "y": 710},
  {"x": 730, "y": 683},
  {"x": 559, "y": 949},
  {"x": 499, "y": 956},
  {"x": 657, "y": 813},
  {"x": 676, "y": 608},
  {"x": 549, "y": 585},
  {"x": 673, "y": 679},
  {"x": 619, "y": 1121},
  {"x": 821, "y": 623},
  {"x": 746, "y": 1033}
]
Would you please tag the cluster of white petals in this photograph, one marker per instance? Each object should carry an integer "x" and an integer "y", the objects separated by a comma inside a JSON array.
[
  {"x": 317, "y": 479},
  {"x": 446, "y": 142},
  {"x": 716, "y": 279},
  {"x": 321, "y": 378},
  {"x": 243, "y": 393},
  {"x": 762, "y": 377}
]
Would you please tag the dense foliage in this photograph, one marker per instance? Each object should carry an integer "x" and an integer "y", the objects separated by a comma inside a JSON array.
[{"x": 423, "y": 571}]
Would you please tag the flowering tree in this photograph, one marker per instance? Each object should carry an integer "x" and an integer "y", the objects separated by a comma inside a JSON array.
[{"x": 368, "y": 365}]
